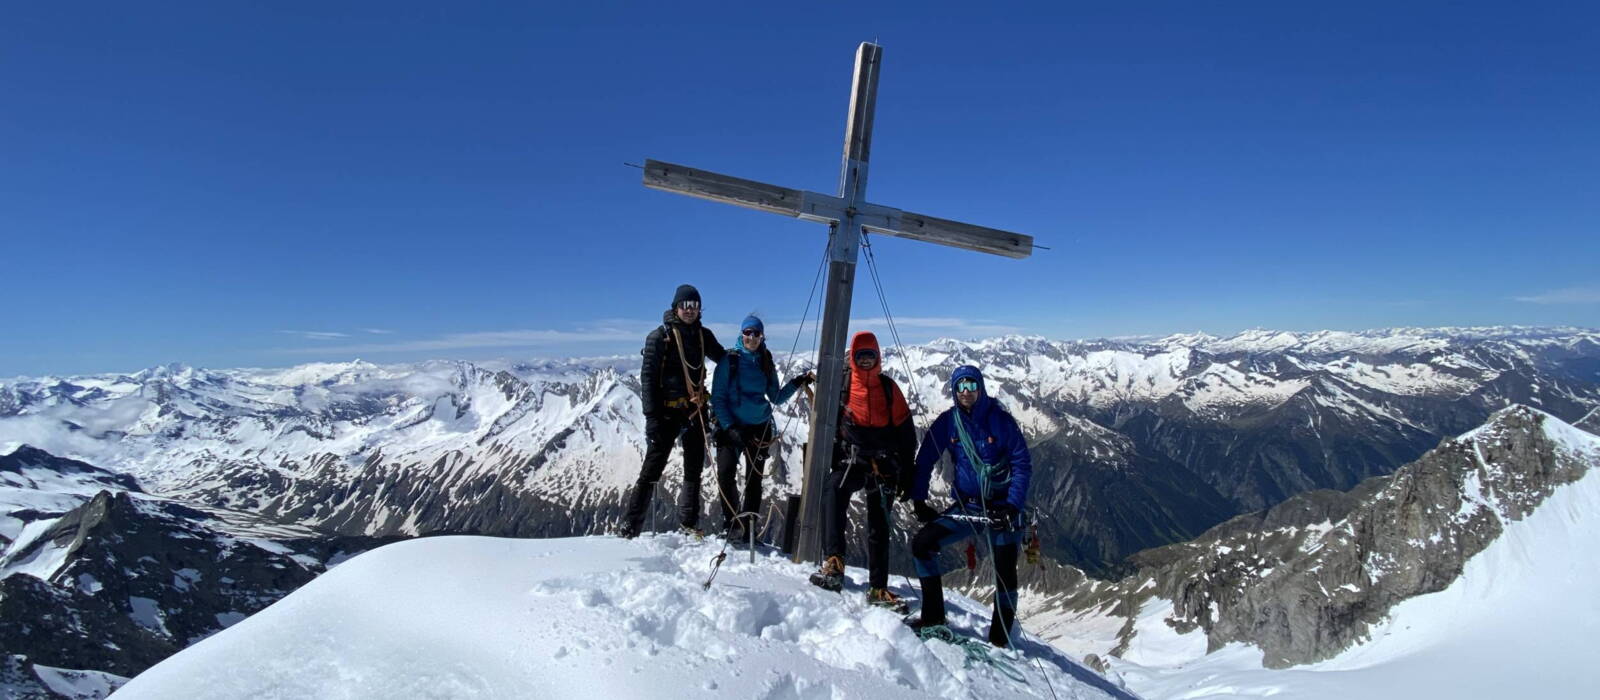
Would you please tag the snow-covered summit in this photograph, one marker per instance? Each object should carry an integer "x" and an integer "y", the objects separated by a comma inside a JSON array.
[{"x": 473, "y": 617}]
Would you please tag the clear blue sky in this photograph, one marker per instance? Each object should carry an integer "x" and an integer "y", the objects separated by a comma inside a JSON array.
[{"x": 266, "y": 184}]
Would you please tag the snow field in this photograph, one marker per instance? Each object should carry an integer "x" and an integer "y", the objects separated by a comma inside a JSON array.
[{"x": 464, "y": 617}]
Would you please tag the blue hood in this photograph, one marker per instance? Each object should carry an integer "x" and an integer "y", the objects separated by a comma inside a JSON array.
[
  {"x": 1000, "y": 466},
  {"x": 970, "y": 372}
]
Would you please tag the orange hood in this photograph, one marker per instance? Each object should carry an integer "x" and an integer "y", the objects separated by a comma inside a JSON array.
[{"x": 865, "y": 402}]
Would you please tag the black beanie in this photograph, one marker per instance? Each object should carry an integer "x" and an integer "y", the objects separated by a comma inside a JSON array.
[{"x": 686, "y": 292}]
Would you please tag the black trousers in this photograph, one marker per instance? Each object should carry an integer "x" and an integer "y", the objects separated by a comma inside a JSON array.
[
  {"x": 754, "y": 444},
  {"x": 843, "y": 482},
  {"x": 660, "y": 431},
  {"x": 925, "y": 546}
]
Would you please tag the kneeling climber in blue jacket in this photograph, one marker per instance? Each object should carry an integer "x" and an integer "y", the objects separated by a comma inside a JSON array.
[{"x": 992, "y": 469}]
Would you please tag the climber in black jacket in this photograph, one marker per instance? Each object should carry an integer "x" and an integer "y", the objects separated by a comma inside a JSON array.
[{"x": 673, "y": 388}]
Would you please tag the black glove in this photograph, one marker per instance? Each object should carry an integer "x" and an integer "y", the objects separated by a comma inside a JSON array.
[
  {"x": 803, "y": 379},
  {"x": 1001, "y": 516},
  {"x": 727, "y": 437},
  {"x": 924, "y": 513},
  {"x": 904, "y": 484}
]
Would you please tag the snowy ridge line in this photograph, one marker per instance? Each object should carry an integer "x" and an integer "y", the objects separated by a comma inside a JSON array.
[
  {"x": 592, "y": 617},
  {"x": 1258, "y": 340}
]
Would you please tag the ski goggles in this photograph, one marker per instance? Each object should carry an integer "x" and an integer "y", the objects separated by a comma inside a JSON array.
[
  {"x": 866, "y": 355},
  {"x": 689, "y": 305},
  {"x": 967, "y": 385}
]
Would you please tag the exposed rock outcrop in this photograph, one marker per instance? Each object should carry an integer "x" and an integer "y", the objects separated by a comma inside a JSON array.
[{"x": 1308, "y": 578}]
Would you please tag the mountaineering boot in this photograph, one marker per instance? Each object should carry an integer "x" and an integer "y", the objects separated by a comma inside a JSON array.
[
  {"x": 932, "y": 600},
  {"x": 736, "y": 532},
  {"x": 691, "y": 531},
  {"x": 885, "y": 598},
  {"x": 831, "y": 576},
  {"x": 627, "y": 532},
  {"x": 1001, "y": 626}
]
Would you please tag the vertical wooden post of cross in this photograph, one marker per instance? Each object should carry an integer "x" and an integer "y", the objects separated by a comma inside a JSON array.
[{"x": 843, "y": 251}]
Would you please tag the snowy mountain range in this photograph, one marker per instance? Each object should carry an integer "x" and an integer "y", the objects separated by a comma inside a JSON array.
[
  {"x": 1144, "y": 441},
  {"x": 1139, "y": 443}
]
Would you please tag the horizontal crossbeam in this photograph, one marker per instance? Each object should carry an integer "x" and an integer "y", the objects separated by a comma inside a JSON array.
[
  {"x": 717, "y": 187},
  {"x": 813, "y": 206},
  {"x": 933, "y": 229}
]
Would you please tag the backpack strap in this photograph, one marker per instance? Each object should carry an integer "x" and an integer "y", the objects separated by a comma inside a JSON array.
[
  {"x": 733, "y": 375},
  {"x": 888, "y": 396},
  {"x": 769, "y": 365}
]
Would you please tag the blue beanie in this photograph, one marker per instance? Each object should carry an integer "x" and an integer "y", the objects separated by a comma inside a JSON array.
[{"x": 752, "y": 322}]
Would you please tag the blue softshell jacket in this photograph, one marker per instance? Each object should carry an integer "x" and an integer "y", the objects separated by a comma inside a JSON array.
[
  {"x": 751, "y": 402},
  {"x": 996, "y": 437}
]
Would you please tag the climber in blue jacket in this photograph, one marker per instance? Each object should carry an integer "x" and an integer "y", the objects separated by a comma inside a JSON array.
[
  {"x": 743, "y": 391},
  {"x": 992, "y": 470}
]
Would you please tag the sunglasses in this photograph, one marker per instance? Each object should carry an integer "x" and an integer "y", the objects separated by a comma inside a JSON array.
[
  {"x": 866, "y": 355},
  {"x": 966, "y": 385},
  {"x": 751, "y": 333}
]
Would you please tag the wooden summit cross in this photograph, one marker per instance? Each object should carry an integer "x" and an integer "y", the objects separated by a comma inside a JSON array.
[{"x": 848, "y": 216}]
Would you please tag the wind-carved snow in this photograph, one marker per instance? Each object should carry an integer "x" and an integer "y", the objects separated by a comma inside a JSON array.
[{"x": 592, "y": 617}]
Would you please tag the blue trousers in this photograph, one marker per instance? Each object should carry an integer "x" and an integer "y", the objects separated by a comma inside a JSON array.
[{"x": 1006, "y": 545}]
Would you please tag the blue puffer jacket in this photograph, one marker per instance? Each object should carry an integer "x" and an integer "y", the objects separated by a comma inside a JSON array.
[
  {"x": 751, "y": 402},
  {"x": 998, "y": 442}
]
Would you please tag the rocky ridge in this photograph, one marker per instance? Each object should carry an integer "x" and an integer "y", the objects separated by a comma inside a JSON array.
[
  {"x": 103, "y": 580},
  {"x": 1309, "y": 577}
]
